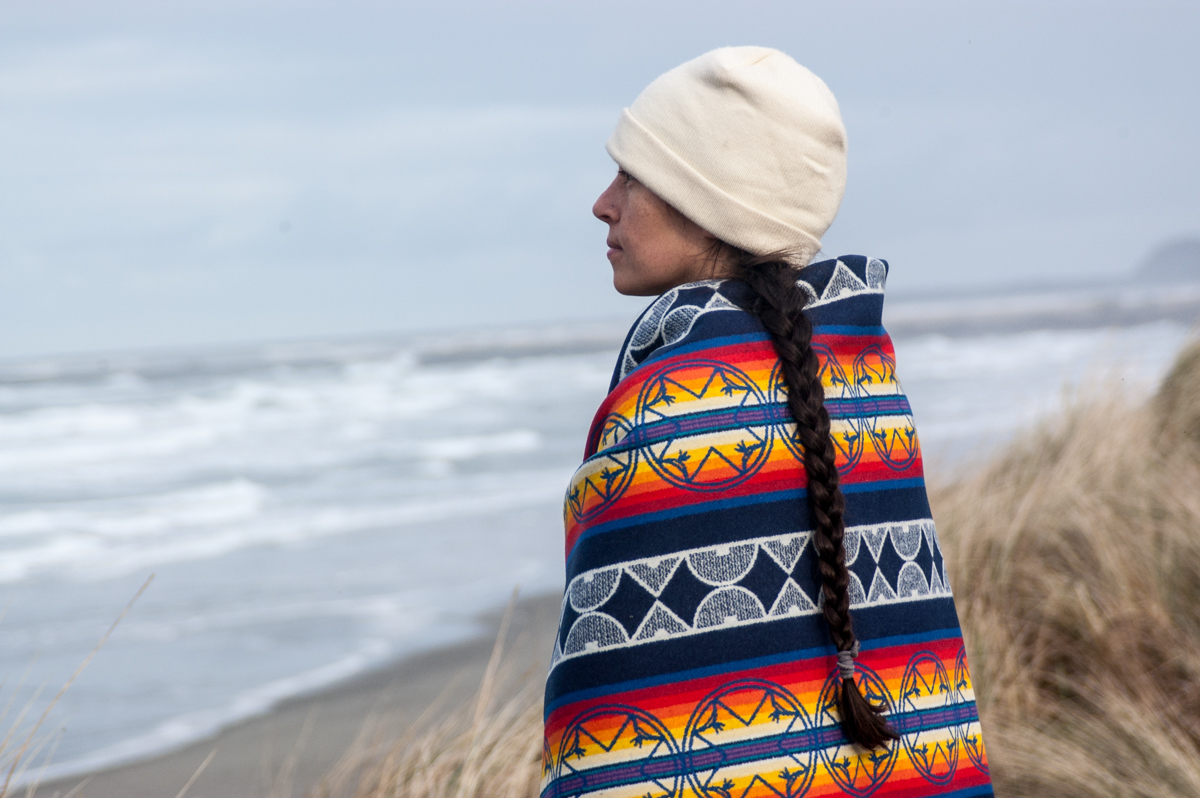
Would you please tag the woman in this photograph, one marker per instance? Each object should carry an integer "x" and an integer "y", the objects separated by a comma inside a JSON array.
[{"x": 756, "y": 603}]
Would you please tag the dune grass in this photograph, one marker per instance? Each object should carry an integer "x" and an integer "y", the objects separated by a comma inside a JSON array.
[
  {"x": 25, "y": 750},
  {"x": 1074, "y": 556},
  {"x": 1074, "y": 553},
  {"x": 490, "y": 749}
]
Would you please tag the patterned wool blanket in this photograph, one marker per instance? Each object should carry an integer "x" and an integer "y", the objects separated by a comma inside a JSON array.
[{"x": 692, "y": 658}]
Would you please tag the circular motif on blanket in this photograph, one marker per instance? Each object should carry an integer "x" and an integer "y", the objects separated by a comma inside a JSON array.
[
  {"x": 856, "y": 771},
  {"x": 613, "y": 746},
  {"x": 602, "y": 479},
  {"x": 705, "y": 425},
  {"x": 740, "y": 732},
  {"x": 847, "y": 433},
  {"x": 969, "y": 738},
  {"x": 895, "y": 442},
  {"x": 926, "y": 686}
]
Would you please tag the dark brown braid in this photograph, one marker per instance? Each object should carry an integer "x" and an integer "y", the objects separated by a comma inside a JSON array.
[{"x": 778, "y": 304}]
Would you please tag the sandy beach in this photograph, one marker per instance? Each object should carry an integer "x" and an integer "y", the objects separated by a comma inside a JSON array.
[{"x": 250, "y": 759}]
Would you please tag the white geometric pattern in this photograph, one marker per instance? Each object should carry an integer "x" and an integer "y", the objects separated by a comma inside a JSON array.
[
  {"x": 663, "y": 323},
  {"x": 728, "y": 604},
  {"x": 844, "y": 283},
  {"x": 668, "y": 319}
]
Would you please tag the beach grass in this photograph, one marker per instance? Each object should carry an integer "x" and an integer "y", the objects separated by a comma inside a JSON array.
[
  {"x": 489, "y": 749},
  {"x": 1074, "y": 556},
  {"x": 25, "y": 750},
  {"x": 1074, "y": 553}
]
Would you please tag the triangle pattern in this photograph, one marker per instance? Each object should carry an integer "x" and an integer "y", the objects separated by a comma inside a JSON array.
[
  {"x": 857, "y": 594},
  {"x": 843, "y": 283},
  {"x": 791, "y": 600},
  {"x": 719, "y": 302},
  {"x": 930, "y": 535},
  {"x": 874, "y": 538},
  {"x": 661, "y": 622},
  {"x": 764, "y": 788},
  {"x": 850, "y": 542},
  {"x": 598, "y": 736},
  {"x": 880, "y": 589},
  {"x": 654, "y": 578},
  {"x": 786, "y": 551},
  {"x": 935, "y": 583}
]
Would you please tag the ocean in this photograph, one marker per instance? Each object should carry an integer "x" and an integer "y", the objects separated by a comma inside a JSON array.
[{"x": 311, "y": 511}]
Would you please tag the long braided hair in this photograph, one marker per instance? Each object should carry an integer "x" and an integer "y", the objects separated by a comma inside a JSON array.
[{"x": 778, "y": 303}]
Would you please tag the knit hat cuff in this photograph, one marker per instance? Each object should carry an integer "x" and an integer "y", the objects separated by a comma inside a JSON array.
[{"x": 676, "y": 182}]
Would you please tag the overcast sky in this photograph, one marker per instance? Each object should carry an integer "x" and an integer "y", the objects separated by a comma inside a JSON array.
[{"x": 210, "y": 172}]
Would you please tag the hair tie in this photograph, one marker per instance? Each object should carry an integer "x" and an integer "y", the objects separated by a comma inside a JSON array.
[{"x": 846, "y": 661}]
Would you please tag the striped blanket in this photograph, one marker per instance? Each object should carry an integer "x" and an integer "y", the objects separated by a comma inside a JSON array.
[{"x": 692, "y": 658}]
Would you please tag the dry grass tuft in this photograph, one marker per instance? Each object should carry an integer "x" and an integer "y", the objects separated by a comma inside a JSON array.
[
  {"x": 490, "y": 750},
  {"x": 1075, "y": 558},
  {"x": 25, "y": 752},
  {"x": 496, "y": 757}
]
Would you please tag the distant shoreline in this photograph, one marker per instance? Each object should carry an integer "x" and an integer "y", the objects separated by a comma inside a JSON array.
[
  {"x": 1110, "y": 306},
  {"x": 952, "y": 314}
]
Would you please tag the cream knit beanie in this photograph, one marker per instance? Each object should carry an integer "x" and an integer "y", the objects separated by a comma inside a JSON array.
[{"x": 746, "y": 143}]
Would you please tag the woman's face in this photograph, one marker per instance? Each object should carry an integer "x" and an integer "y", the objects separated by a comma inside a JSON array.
[{"x": 652, "y": 247}]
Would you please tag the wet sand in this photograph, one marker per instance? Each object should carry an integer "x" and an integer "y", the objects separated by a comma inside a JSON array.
[{"x": 250, "y": 757}]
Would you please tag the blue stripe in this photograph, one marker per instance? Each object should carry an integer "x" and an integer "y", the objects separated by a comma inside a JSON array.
[
  {"x": 746, "y": 664},
  {"x": 694, "y": 673},
  {"x": 739, "y": 501},
  {"x": 680, "y": 426},
  {"x": 904, "y": 640},
  {"x": 970, "y": 792},
  {"x": 890, "y": 484},
  {"x": 708, "y": 343},
  {"x": 703, "y": 507},
  {"x": 869, "y": 406},
  {"x": 730, "y": 340},
  {"x": 729, "y": 418},
  {"x": 748, "y": 416},
  {"x": 847, "y": 329}
]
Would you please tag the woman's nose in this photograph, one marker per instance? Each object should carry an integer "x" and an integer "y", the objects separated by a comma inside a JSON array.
[{"x": 605, "y": 207}]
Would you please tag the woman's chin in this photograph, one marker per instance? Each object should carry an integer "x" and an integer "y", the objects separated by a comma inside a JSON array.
[{"x": 632, "y": 287}]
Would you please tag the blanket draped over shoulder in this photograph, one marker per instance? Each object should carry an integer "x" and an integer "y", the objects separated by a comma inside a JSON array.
[{"x": 692, "y": 658}]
